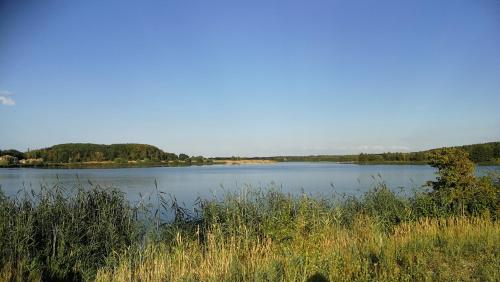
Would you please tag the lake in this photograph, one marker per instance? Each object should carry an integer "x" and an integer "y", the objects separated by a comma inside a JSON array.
[{"x": 188, "y": 183}]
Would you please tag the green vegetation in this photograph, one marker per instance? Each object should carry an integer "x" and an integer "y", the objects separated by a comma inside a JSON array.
[
  {"x": 488, "y": 153},
  {"x": 140, "y": 155},
  {"x": 319, "y": 249},
  {"x": 53, "y": 235},
  {"x": 106, "y": 156},
  {"x": 68, "y": 153},
  {"x": 450, "y": 232},
  {"x": 13, "y": 153}
]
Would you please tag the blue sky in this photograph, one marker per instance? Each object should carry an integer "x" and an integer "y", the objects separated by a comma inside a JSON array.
[{"x": 222, "y": 78}]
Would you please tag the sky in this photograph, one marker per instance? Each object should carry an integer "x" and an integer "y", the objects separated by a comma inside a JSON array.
[{"x": 250, "y": 78}]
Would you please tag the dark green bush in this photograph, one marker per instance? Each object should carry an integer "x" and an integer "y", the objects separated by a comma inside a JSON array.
[{"x": 457, "y": 190}]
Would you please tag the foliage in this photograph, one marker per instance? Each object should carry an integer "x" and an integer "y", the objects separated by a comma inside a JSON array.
[
  {"x": 457, "y": 188},
  {"x": 479, "y": 153},
  {"x": 183, "y": 157},
  {"x": 455, "y": 170},
  {"x": 198, "y": 159},
  {"x": 483, "y": 152},
  {"x": 67, "y": 153}
]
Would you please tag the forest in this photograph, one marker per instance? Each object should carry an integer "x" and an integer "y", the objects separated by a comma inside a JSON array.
[
  {"x": 488, "y": 153},
  {"x": 86, "y": 152}
]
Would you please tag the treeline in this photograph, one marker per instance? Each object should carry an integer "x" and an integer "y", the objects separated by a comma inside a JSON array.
[
  {"x": 483, "y": 152},
  {"x": 479, "y": 153},
  {"x": 85, "y": 152},
  {"x": 362, "y": 158},
  {"x": 319, "y": 158}
]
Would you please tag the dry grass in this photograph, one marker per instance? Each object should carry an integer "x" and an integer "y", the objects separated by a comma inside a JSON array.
[{"x": 464, "y": 249}]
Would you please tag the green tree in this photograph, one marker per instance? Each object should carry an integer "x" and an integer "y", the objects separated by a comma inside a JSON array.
[
  {"x": 456, "y": 179},
  {"x": 198, "y": 159},
  {"x": 482, "y": 153},
  {"x": 496, "y": 150},
  {"x": 362, "y": 157}
]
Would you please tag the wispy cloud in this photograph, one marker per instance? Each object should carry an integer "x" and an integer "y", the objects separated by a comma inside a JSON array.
[{"x": 5, "y": 98}]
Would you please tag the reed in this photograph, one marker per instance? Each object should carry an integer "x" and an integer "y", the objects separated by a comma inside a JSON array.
[
  {"x": 93, "y": 233},
  {"x": 63, "y": 233},
  {"x": 450, "y": 249}
]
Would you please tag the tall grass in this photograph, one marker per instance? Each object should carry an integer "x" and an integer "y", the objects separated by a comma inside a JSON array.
[
  {"x": 63, "y": 234},
  {"x": 93, "y": 233},
  {"x": 256, "y": 235},
  {"x": 452, "y": 249}
]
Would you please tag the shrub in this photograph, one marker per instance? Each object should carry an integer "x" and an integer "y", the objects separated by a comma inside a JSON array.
[{"x": 457, "y": 190}]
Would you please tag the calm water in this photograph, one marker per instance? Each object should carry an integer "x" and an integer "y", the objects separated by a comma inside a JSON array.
[{"x": 188, "y": 183}]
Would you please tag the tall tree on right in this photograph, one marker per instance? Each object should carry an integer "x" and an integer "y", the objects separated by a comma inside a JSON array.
[
  {"x": 457, "y": 189},
  {"x": 456, "y": 179}
]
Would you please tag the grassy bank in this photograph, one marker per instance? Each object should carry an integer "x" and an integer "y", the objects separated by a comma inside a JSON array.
[
  {"x": 451, "y": 249},
  {"x": 259, "y": 235},
  {"x": 91, "y": 233},
  {"x": 61, "y": 234}
]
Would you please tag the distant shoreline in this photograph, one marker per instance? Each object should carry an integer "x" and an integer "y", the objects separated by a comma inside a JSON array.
[
  {"x": 244, "y": 161},
  {"x": 229, "y": 162},
  {"x": 88, "y": 155},
  {"x": 107, "y": 164}
]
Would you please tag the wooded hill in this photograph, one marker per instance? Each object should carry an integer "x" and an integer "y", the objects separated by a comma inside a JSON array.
[{"x": 86, "y": 152}]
